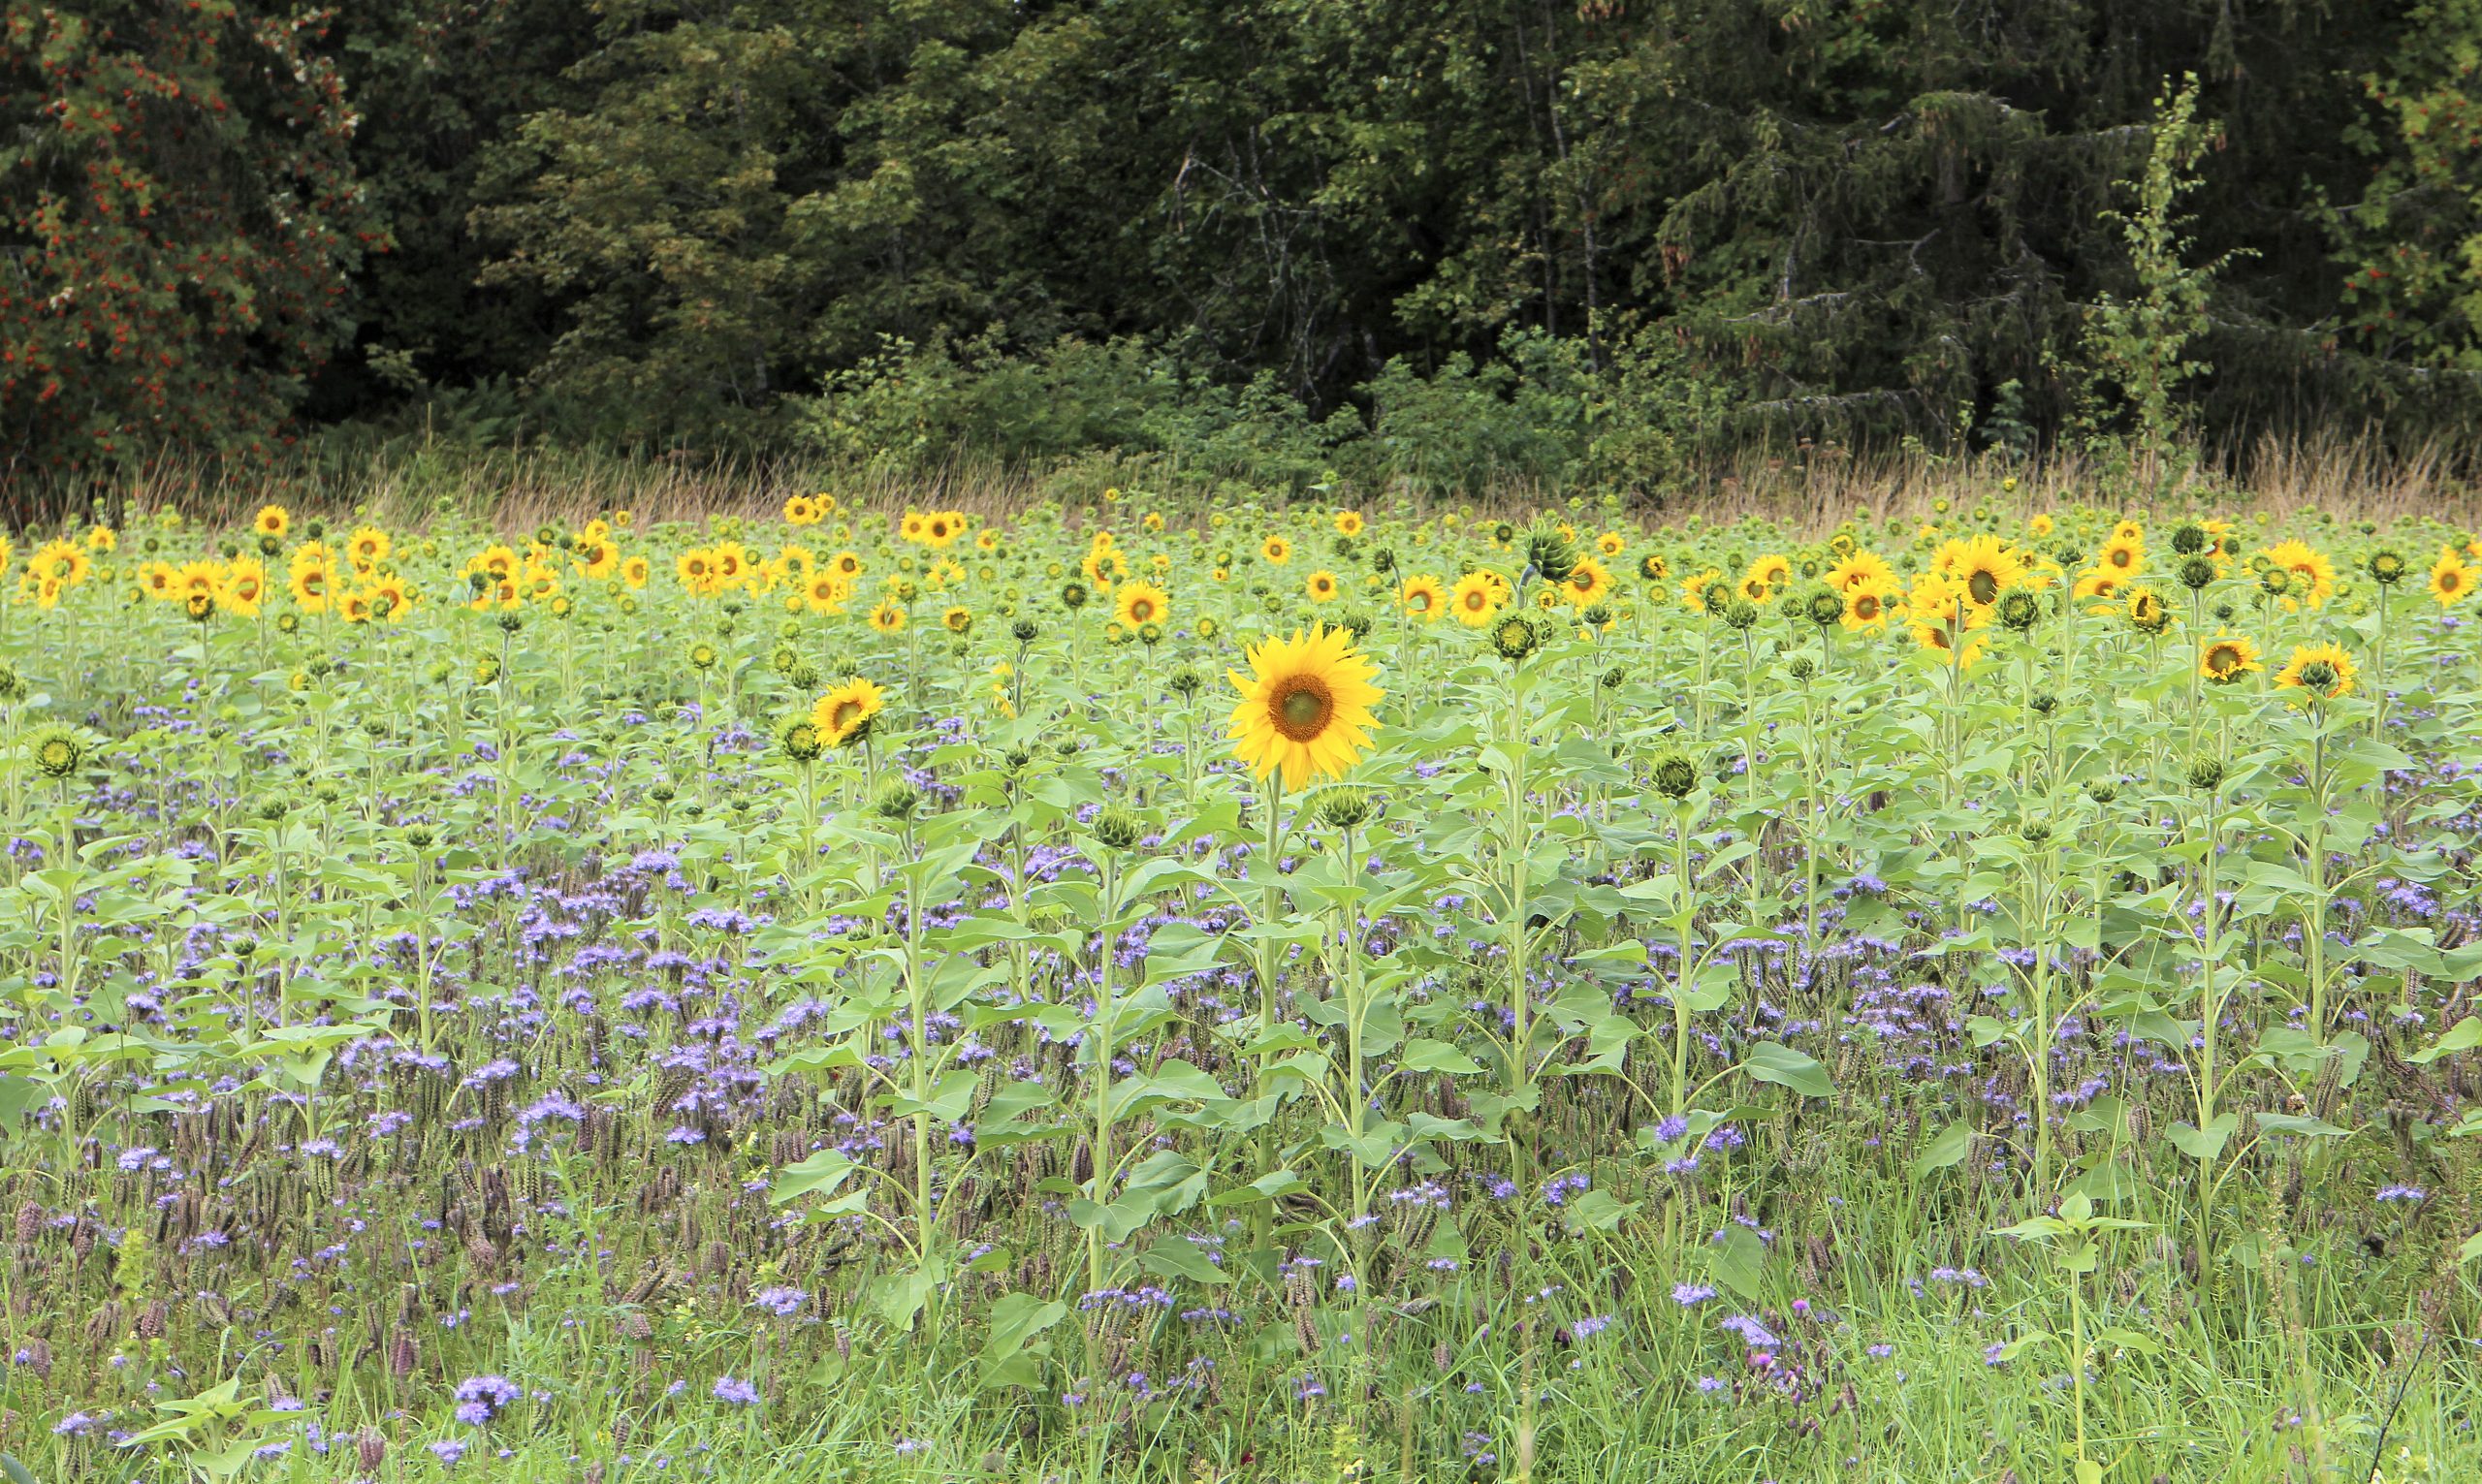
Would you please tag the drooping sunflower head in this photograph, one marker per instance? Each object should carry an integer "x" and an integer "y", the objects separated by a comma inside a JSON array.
[{"x": 1305, "y": 706}]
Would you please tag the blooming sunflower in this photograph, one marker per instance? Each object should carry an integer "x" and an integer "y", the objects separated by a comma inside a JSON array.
[
  {"x": 1276, "y": 550},
  {"x": 245, "y": 585},
  {"x": 2145, "y": 610},
  {"x": 366, "y": 548},
  {"x": 2227, "y": 657},
  {"x": 1868, "y": 607},
  {"x": 1610, "y": 543},
  {"x": 824, "y": 592},
  {"x": 2323, "y": 669},
  {"x": 1422, "y": 598},
  {"x": 910, "y": 527},
  {"x": 1860, "y": 569},
  {"x": 1305, "y": 706},
  {"x": 1103, "y": 567},
  {"x": 2123, "y": 555},
  {"x": 1349, "y": 522},
  {"x": 957, "y": 619},
  {"x": 1141, "y": 602},
  {"x": 272, "y": 521},
  {"x": 2098, "y": 586},
  {"x": 843, "y": 715},
  {"x": 1321, "y": 587},
  {"x": 634, "y": 571},
  {"x": 1588, "y": 583},
  {"x": 1981, "y": 568},
  {"x": 311, "y": 585},
  {"x": 2451, "y": 580},
  {"x": 940, "y": 527},
  {"x": 2313, "y": 575},
  {"x": 1766, "y": 576},
  {"x": 801, "y": 510},
  {"x": 1474, "y": 599},
  {"x": 887, "y": 617}
]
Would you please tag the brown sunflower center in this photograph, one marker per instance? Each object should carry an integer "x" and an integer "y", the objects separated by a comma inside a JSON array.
[
  {"x": 844, "y": 717},
  {"x": 2451, "y": 580},
  {"x": 1866, "y": 606},
  {"x": 1300, "y": 706},
  {"x": 2224, "y": 659},
  {"x": 1985, "y": 586},
  {"x": 1142, "y": 611}
]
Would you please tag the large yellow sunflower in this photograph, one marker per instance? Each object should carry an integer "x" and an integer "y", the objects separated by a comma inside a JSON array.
[
  {"x": 2227, "y": 657},
  {"x": 1859, "y": 570},
  {"x": 1868, "y": 606},
  {"x": 1305, "y": 708},
  {"x": 1981, "y": 568},
  {"x": 843, "y": 715},
  {"x": 1422, "y": 598},
  {"x": 1474, "y": 599},
  {"x": 2451, "y": 580},
  {"x": 1588, "y": 583},
  {"x": 1141, "y": 602}
]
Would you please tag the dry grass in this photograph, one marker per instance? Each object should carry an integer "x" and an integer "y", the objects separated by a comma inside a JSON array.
[{"x": 525, "y": 488}]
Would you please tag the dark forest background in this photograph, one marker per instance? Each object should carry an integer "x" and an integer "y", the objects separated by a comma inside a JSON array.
[{"x": 1438, "y": 239}]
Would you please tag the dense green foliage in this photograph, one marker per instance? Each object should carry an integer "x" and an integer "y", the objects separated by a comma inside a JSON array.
[{"x": 1251, "y": 235}]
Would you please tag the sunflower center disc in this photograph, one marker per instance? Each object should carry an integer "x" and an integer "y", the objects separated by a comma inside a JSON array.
[{"x": 1301, "y": 709}]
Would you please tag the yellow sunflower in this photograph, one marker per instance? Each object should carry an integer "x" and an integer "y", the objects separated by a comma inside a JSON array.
[
  {"x": 1349, "y": 522},
  {"x": 1321, "y": 587},
  {"x": 1276, "y": 550},
  {"x": 2227, "y": 657},
  {"x": 843, "y": 715},
  {"x": 887, "y": 617},
  {"x": 2322, "y": 669},
  {"x": 1474, "y": 599},
  {"x": 1981, "y": 568},
  {"x": 1588, "y": 583},
  {"x": 2451, "y": 580},
  {"x": 1305, "y": 706},
  {"x": 1141, "y": 602},
  {"x": 272, "y": 521},
  {"x": 1868, "y": 607},
  {"x": 1422, "y": 598},
  {"x": 2313, "y": 576}
]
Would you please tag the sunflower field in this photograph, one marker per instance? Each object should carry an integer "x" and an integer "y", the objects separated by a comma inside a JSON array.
[{"x": 1118, "y": 989}]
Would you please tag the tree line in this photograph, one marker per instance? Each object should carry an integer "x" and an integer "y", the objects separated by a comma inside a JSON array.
[{"x": 1581, "y": 239}]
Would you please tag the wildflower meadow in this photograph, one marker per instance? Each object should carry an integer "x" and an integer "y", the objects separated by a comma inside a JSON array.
[{"x": 1270, "y": 989}]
